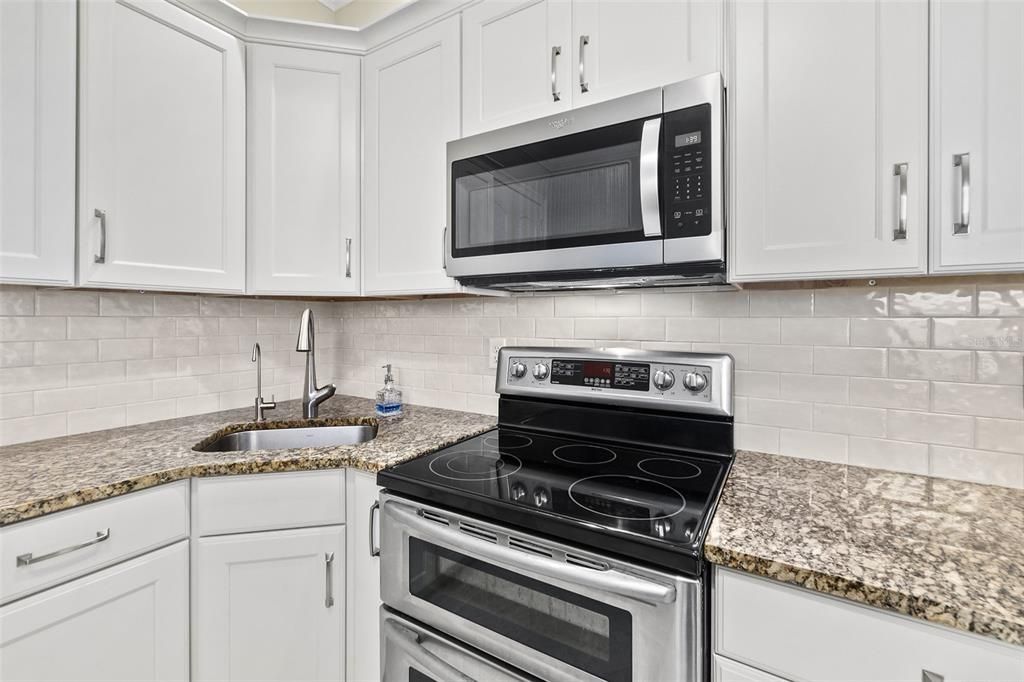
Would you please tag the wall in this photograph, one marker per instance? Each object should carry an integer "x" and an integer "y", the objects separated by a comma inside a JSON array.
[
  {"x": 926, "y": 380},
  {"x": 920, "y": 380},
  {"x": 74, "y": 361}
]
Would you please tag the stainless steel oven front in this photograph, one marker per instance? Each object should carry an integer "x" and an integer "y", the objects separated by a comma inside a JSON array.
[
  {"x": 631, "y": 184},
  {"x": 543, "y": 607}
]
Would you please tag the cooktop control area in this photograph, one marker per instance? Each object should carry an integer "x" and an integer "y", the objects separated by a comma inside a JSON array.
[{"x": 693, "y": 382}]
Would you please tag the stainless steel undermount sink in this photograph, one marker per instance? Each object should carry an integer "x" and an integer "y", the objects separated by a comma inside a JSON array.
[{"x": 290, "y": 438}]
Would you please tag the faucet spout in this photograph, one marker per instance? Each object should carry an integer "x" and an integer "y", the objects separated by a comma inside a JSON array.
[{"x": 312, "y": 395}]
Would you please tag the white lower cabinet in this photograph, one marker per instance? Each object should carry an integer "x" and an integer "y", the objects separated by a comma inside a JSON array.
[
  {"x": 128, "y": 622},
  {"x": 269, "y": 606},
  {"x": 363, "y": 573},
  {"x": 797, "y": 634},
  {"x": 726, "y": 670}
]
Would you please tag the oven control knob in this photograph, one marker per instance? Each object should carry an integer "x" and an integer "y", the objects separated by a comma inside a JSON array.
[
  {"x": 664, "y": 379},
  {"x": 662, "y": 527},
  {"x": 695, "y": 382},
  {"x": 540, "y": 497},
  {"x": 517, "y": 370},
  {"x": 540, "y": 371},
  {"x": 518, "y": 492}
]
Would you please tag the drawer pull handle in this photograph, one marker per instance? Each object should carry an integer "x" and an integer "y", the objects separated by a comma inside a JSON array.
[
  {"x": 29, "y": 559},
  {"x": 374, "y": 548},
  {"x": 900, "y": 171},
  {"x": 101, "y": 257},
  {"x": 328, "y": 565},
  {"x": 929, "y": 676},
  {"x": 963, "y": 162},
  {"x": 555, "y": 94}
]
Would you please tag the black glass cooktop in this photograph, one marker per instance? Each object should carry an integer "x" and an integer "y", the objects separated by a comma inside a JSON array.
[{"x": 638, "y": 501}]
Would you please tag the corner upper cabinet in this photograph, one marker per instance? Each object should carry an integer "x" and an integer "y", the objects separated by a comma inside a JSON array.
[
  {"x": 828, "y": 108},
  {"x": 410, "y": 111},
  {"x": 516, "y": 60},
  {"x": 161, "y": 149},
  {"x": 620, "y": 47},
  {"x": 977, "y": 135},
  {"x": 303, "y": 171},
  {"x": 37, "y": 141}
]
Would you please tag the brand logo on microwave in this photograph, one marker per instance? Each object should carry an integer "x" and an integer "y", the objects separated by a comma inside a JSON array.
[{"x": 560, "y": 123}]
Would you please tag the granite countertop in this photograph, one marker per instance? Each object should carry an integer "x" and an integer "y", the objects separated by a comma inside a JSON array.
[
  {"x": 46, "y": 476},
  {"x": 944, "y": 551}
]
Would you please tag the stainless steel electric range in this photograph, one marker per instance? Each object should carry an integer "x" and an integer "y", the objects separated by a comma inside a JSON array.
[{"x": 566, "y": 543}]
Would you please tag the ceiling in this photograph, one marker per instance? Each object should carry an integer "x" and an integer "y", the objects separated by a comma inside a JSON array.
[{"x": 353, "y": 13}]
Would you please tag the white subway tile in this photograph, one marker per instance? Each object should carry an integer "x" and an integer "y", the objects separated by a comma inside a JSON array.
[
  {"x": 982, "y": 333},
  {"x": 740, "y": 352},
  {"x": 757, "y": 438},
  {"x": 16, "y": 405},
  {"x": 641, "y": 328},
  {"x": 32, "y": 328},
  {"x": 816, "y": 331},
  {"x": 216, "y": 306},
  {"x": 750, "y": 330},
  {"x": 206, "y": 365},
  {"x": 127, "y": 393},
  {"x": 574, "y": 306},
  {"x": 895, "y": 393},
  {"x": 210, "y": 326},
  {"x": 866, "y": 362},
  {"x": 792, "y": 303},
  {"x": 876, "y": 453},
  {"x": 17, "y": 353},
  {"x": 502, "y": 307},
  {"x": 692, "y": 329},
  {"x": 666, "y": 304},
  {"x": 815, "y": 388},
  {"x": 64, "y": 352},
  {"x": 554, "y": 327},
  {"x": 935, "y": 301},
  {"x": 851, "y": 302},
  {"x": 1001, "y": 300},
  {"x": 721, "y": 304},
  {"x": 889, "y": 333},
  {"x": 96, "y": 419},
  {"x": 826, "y": 447},
  {"x": 64, "y": 399},
  {"x": 795, "y": 359},
  {"x": 618, "y": 305},
  {"x": 95, "y": 373},
  {"x": 67, "y": 302},
  {"x": 981, "y": 400},
  {"x": 785, "y": 413},
  {"x": 26, "y": 429},
  {"x": 1006, "y": 435},
  {"x": 517, "y": 326},
  {"x": 96, "y": 327},
  {"x": 937, "y": 365},
  {"x": 17, "y": 300},
  {"x": 534, "y": 306},
  {"x": 994, "y": 367},
  {"x": 119, "y": 304},
  {"x": 151, "y": 369},
  {"x": 928, "y": 427},
  {"x": 980, "y": 466},
  {"x": 238, "y": 326},
  {"x": 596, "y": 327},
  {"x": 758, "y": 384},
  {"x": 175, "y": 347},
  {"x": 125, "y": 349},
  {"x": 169, "y": 305},
  {"x": 856, "y": 421}
]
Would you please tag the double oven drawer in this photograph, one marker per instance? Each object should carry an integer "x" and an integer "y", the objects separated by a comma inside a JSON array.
[{"x": 545, "y": 608}]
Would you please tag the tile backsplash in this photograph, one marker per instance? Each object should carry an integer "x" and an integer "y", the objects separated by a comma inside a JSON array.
[{"x": 926, "y": 379}]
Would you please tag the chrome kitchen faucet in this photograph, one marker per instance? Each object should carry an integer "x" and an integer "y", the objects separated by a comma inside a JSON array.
[{"x": 311, "y": 395}]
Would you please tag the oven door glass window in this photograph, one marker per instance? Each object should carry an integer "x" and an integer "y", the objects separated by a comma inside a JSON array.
[
  {"x": 582, "y": 632},
  {"x": 577, "y": 190}
]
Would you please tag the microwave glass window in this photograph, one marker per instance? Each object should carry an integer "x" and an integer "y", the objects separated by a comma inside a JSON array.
[
  {"x": 577, "y": 190},
  {"x": 580, "y": 631}
]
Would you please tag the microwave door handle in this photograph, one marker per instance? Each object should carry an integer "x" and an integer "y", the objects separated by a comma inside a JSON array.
[
  {"x": 409, "y": 642},
  {"x": 615, "y": 582},
  {"x": 650, "y": 202}
]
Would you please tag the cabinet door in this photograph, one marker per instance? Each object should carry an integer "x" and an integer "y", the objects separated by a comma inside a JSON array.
[
  {"x": 363, "y": 573},
  {"x": 621, "y": 47},
  {"x": 269, "y": 606},
  {"x": 410, "y": 112},
  {"x": 826, "y": 99},
  {"x": 128, "y": 622},
  {"x": 516, "y": 62},
  {"x": 978, "y": 138},
  {"x": 37, "y": 141},
  {"x": 303, "y": 152},
  {"x": 162, "y": 149}
]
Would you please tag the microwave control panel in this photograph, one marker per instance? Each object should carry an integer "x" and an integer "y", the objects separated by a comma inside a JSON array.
[{"x": 686, "y": 172}]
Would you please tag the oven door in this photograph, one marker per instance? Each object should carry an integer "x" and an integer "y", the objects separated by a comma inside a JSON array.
[
  {"x": 413, "y": 653},
  {"x": 574, "y": 191},
  {"x": 549, "y": 609}
]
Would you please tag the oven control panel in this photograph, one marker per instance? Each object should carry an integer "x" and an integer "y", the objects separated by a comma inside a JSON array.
[{"x": 695, "y": 382}]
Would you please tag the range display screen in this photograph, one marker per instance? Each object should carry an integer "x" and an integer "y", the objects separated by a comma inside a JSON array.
[{"x": 631, "y": 376}]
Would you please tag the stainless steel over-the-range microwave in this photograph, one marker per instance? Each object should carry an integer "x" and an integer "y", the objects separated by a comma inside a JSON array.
[{"x": 620, "y": 193}]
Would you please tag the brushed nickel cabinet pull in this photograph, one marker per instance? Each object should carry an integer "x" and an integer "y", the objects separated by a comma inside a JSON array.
[
  {"x": 963, "y": 162},
  {"x": 29, "y": 559},
  {"x": 928, "y": 676},
  {"x": 348, "y": 257},
  {"x": 328, "y": 565},
  {"x": 101, "y": 257},
  {"x": 555, "y": 51},
  {"x": 374, "y": 549},
  {"x": 900, "y": 171},
  {"x": 584, "y": 86}
]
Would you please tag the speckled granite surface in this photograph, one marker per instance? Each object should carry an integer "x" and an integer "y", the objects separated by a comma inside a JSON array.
[
  {"x": 46, "y": 476},
  {"x": 940, "y": 550}
]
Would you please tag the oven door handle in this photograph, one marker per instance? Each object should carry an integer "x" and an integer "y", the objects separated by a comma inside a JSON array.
[
  {"x": 409, "y": 642},
  {"x": 609, "y": 581},
  {"x": 650, "y": 202}
]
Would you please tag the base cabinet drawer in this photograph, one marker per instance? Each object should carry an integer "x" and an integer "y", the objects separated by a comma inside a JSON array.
[
  {"x": 726, "y": 670},
  {"x": 798, "y": 634},
  {"x": 126, "y": 622}
]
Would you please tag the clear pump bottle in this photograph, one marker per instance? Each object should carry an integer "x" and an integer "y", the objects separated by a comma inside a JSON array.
[{"x": 389, "y": 398}]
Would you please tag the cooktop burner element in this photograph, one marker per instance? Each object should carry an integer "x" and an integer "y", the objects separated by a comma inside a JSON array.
[
  {"x": 508, "y": 441},
  {"x": 627, "y": 497},
  {"x": 582, "y": 453},
  {"x": 475, "y": 465},
  {"x": 667, "y": 467}
]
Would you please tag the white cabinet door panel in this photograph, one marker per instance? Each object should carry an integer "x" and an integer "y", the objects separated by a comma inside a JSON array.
[
  {"x": 37, "y": 141},
  {"x": 825, "y": 100},
  {"x": 510, "y": 73},
  {"x": 410, "y": 111},
  {"x": 128, "y": 622},
  {"x": 977, "y": 109},
  {"x": 621, "y": 47},
  {"x": 269, "y": 606},
  {"x": 162, "y": 149},
  {"x": 303, "y": 171},
  {"x": 363, "y": 573}
]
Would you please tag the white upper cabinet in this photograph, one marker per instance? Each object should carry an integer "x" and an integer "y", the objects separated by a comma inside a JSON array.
[
  {"x": 977, "y": 135},
  {"x": 303, "y": 168},
  {"x": 516, "y": 62},
  {"x": 37, "y": 141},
  {"x": 410, "y": 111},
  {"x": 828, "y": 108},
  {"x": 620, "y": 47},
  {"x": 162, "y": 149}
]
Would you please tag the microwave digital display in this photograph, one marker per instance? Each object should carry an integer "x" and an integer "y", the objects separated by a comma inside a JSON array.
[{"x": 687, "y": 139}]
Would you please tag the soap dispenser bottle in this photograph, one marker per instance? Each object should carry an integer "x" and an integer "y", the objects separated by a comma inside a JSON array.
[{"x": 389, "y": 398}]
